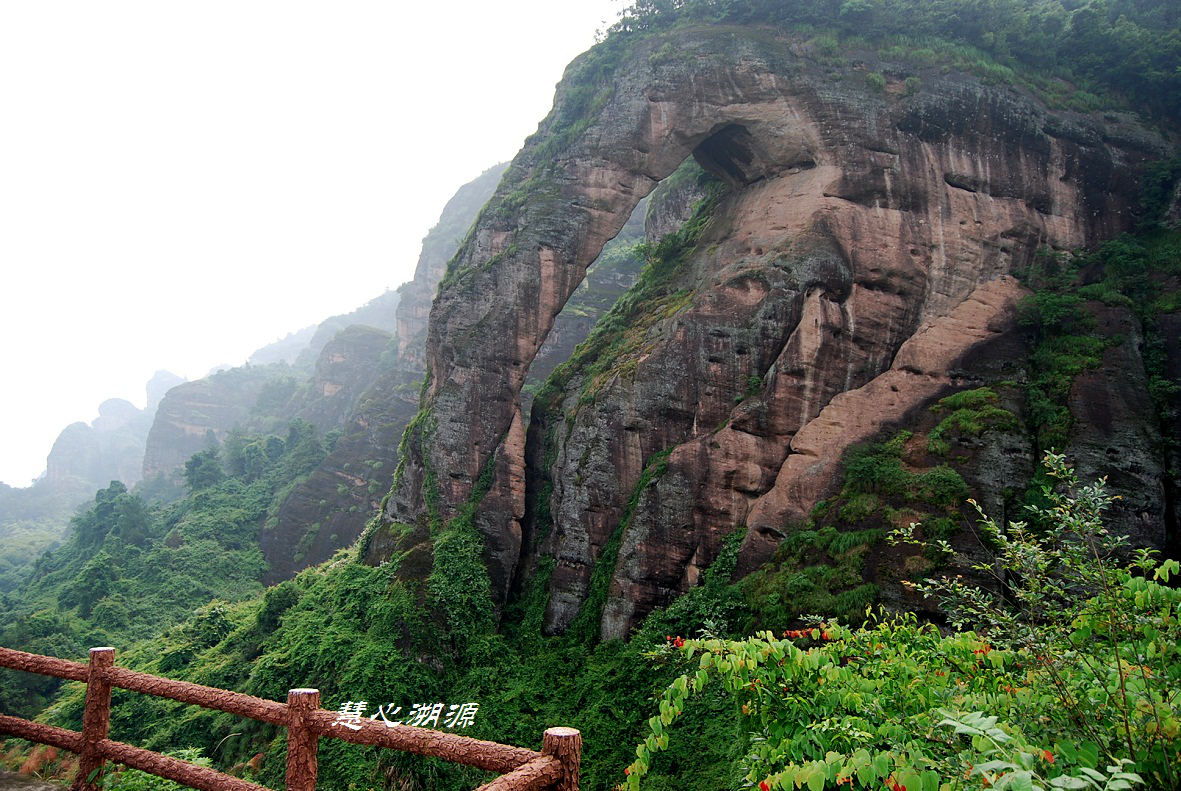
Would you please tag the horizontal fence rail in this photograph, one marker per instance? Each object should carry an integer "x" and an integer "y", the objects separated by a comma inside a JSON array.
[{"x": 555, "y": 768}]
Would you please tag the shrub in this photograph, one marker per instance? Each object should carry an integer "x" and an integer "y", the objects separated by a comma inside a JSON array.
[{"x": 1067, "y": 684}]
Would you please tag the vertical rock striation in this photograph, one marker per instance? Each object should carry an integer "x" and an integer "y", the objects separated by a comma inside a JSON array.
[{"x": 861, "y": 248}]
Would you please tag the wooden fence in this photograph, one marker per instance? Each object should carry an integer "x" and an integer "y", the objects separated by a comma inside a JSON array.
[{"x": 555, "y": 768}]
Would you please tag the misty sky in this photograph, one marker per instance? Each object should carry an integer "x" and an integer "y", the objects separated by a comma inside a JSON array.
[{"x": 183, "y": 183}]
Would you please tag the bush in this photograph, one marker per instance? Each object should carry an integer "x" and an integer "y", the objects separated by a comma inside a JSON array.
[
  {"x": 1068, "y": 682},
  {"x": 135, "y": 780}
]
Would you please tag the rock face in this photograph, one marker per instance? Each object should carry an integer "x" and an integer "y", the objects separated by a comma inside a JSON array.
[
  {"x": 330, "y": 508},
  {"x": 379, "y": 313},
  {"x": 437, "y": 248},
  {"x": 111, "y": 447},
  {"x": 366, "y": 384},
  {"x": 190, "y": 412},
  {"x": 860, "y": 251},
  {"x": 301, "y": 349},
  {"x": 1116, "y": 433},
  {"x": 348, "y": 365}
]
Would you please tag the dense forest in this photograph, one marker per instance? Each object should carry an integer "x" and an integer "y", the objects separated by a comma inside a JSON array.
[{"x": 1064, "y": 674}]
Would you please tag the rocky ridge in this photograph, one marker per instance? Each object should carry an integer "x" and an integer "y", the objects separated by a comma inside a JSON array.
[{"x": 860, "y": 253}]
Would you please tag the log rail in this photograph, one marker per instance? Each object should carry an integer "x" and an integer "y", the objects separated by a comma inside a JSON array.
[{"x": 555, "y": 768}]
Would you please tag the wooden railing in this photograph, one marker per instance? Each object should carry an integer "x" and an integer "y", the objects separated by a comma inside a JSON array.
[{"x": 555, "y": 768}]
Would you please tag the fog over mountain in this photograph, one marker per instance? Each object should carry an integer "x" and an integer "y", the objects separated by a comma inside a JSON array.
[{"x": 175, "y": 176}]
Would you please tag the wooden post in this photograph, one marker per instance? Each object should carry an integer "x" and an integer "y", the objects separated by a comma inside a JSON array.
[
  {"x": 96, "y": 719},
  {"x": 565, "y": 744},
  {"x": 302, "y": 740}
]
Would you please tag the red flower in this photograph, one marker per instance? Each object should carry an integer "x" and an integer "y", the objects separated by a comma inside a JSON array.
[
  {"x": 763, "y": 786},
  {"x": 627, "y": 770},
  {"x": 1049, "y": 756},
  {"x": 679, "y": 642}
]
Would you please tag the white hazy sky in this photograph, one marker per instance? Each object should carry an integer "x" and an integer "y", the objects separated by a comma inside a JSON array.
[{"x": 182, "y": 183}]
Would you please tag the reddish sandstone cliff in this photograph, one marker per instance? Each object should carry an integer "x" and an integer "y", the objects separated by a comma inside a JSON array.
[{"x": 860, "y": 250}]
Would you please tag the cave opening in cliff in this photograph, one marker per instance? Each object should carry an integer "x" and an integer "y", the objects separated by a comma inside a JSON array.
[
  {"x": 737, "y": 157},
  {"x": 728, "y": 154}
]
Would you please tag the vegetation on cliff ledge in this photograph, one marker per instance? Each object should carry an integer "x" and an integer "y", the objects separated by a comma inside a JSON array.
[
  {"x": 1069, "y": 680},
  {"x": 1131, "y": 48},
  {"x": 421, "y": 628}
]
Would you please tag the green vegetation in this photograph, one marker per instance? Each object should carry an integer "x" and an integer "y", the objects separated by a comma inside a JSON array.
[
  {"x": 813, "y": 571},
  {"x": 1138, "y": 272},
  {"x": 1066, "y": 343},
  {"x": 877, "y": 469},
  {"x": 1069, "y": 681},
  {"x": 176, "y": 585},
  {"x": 34, "y": 520},
  {"x": 1119, "y": 48},
  {"x": 135, "y": 780},
  {"x": 130, "y": 570},
  {"x": 970, "y": 413},
  {"x": 820, "y": 566},
  {"x": 620, "y": 336}
]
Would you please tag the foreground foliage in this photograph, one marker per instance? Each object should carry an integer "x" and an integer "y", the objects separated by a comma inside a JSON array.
[
  {"x": 1071, "y": 678},
  {"x": 130, "y": 569}
]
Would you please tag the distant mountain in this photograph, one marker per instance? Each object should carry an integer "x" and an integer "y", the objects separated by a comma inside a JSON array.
[
  {"x": 84, "y": 458},
  {"x": 301, "y": 349},
  {"x": 286, "y": 349}
]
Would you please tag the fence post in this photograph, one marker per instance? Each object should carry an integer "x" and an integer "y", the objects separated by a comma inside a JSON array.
[
  {"x": 302, "y": 740},
  {"x": 96, "y": 719},
  {"x": 565, "y": 744}
]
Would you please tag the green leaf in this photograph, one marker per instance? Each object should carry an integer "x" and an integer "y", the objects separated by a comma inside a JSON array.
[{"x": 1015, "y": 781}]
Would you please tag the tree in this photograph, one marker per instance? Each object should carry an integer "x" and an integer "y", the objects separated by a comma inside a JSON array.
[
  {"x": 203, "y": 470},
  {"x": 93, "y": 526},
  {"x": 1071, "y": 680}
]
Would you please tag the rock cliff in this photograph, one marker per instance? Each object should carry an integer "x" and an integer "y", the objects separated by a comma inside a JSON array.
[
  {"x": 437, "y": 248},
  {"x": 111, "y": 447},
  {"x": 192, "y": 412},
  {"x": 856, "y": 255}
]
